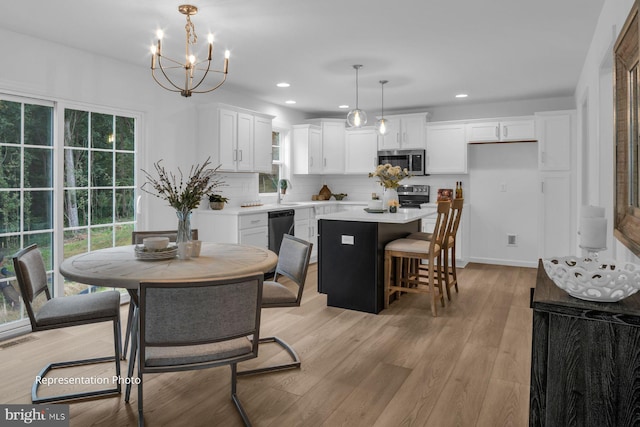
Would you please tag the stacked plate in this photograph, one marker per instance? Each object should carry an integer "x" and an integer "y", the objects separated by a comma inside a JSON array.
[{"x": 145, "y": 253}]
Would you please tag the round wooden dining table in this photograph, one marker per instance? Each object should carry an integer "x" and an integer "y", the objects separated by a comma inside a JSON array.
[{"x": 120, "y": 268}]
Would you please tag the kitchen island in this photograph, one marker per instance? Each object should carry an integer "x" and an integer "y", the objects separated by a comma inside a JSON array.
[{"x": 351, "y": 254}]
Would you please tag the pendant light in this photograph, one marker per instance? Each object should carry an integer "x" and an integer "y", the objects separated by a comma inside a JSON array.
[
  {"x": 381, "y": 124},
  {"x": 357, "y": 118}
]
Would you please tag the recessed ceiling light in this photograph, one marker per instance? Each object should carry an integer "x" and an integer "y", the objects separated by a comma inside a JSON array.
[
  {"x": 461, "y": 95},
  {"x": 343, "y": 106},
  {"x": 290, "y": 101},
  {"x": 283, "y": 84}
]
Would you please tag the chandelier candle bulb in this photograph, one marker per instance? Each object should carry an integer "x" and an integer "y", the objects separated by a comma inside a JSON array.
[{"x": 593, "y": 233}]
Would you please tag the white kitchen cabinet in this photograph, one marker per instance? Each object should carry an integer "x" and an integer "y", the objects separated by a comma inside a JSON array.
[
  {"x": 262, "y": 154},
  {"x": 244, "y": 143},
  {"x": 446, "y": 148},
  {"x": 233, "y": 136},
  {"x": 253, "y": 230},
  {"x": 555, "y": 214},
  {"x": 405, "y": 132},
  {"x": 522, "y": 129},
  {"x": 361, "y": 150},
  {"x": 555, "y": 135},
  {"x": 305, "y": 228},
  {"x": 333, "y": 137},
  {"x": 307, "y": 149},
  {"x": 318, "y": 147}
]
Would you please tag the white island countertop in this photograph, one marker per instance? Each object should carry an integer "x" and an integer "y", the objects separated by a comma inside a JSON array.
[{"x": 403, "y": 216}]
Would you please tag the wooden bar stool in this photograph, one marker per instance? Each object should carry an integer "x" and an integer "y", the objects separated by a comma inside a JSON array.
[
  {"x": 449, "y": 245},
  {"x": 406, "y": 251}
]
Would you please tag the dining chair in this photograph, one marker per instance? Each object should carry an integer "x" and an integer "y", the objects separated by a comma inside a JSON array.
[
  {"x": 187, "y": 325},
  {"x": 137, "y": 238},
  {"x": 293, "y": 263},
  {"x": 63, "y": 312},
  {"x": 405, "y": 252},
  {"x": 448, "y": 246}
]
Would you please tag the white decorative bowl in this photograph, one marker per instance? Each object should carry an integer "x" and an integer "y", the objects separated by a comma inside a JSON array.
[
  {"x": 593, "y": 280},
  {"x": 155, "y": 243}
]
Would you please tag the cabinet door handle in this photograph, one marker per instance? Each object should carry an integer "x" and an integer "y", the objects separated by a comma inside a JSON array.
[
  {"x": 310, "y": 161},
  {"x": 325, "y": 162},
  {"x": 255, "y": 221},
  {"x": 240, "y": 155},
  {"x": 497, "y": 131},
  {"x": 543, "y": 157},
  {"x": 542, "y": 186},
  {"x": 375, "y": 162},
  {"x": 235, "y": 155},
  {"x": 404, "y": 137},
  {"x": 398, "y": 137},
  {"x": 504, "y": 131}
]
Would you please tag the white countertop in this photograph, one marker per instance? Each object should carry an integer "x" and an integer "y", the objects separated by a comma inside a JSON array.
[
  {"x": 403, "y": 216},
  {"x": 237, "y": 210}
]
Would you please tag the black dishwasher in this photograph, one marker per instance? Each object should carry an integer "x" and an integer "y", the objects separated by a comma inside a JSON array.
[{"x": 280, "y": 223}]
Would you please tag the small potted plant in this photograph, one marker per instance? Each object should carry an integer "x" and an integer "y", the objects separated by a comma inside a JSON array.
[
  {"x": 216, "y": 201},
  {"x": 284, "y": 184}
]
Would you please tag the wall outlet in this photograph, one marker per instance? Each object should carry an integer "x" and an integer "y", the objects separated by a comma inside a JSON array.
[
  {"x": 503, "y": 187},
  {"x": 512, "y": 240}
]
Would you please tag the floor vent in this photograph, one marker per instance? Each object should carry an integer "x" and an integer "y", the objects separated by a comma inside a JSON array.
[{"x": 13, "y": 343}]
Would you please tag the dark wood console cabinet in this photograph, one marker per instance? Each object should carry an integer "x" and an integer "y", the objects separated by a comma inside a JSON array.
[{"x": 585, "y": 359}]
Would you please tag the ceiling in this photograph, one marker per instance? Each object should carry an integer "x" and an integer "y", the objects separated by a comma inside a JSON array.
[{"x": 428, "y": 50}]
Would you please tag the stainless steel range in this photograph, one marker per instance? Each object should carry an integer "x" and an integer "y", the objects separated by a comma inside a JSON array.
[{"x": 412, "y": 196}]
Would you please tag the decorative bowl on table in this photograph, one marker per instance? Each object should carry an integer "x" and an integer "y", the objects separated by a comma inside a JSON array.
[
  {"x": 147, "y": 254},
  {"x": 592, "y": 279},
  {"x": 155, "y": 243}
]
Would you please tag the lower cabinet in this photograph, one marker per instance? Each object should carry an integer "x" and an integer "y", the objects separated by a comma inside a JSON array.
[
  {"x": 251, "y": 229},
  {"x": 305, "y": 229}
]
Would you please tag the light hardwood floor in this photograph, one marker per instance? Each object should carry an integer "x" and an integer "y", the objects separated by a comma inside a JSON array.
[{"x": 402, "y": 367}]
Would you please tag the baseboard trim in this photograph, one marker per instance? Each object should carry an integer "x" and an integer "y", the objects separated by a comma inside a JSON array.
[{"x": 507, "y": 262}]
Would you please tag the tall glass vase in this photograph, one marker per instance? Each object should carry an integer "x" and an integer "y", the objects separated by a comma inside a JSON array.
[
  {"x": 389, "y": 195},
  {"x": 184, "y": 226}
]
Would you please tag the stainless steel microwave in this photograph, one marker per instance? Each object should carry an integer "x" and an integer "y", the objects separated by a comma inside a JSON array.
[{"x": 412, "y": 160}]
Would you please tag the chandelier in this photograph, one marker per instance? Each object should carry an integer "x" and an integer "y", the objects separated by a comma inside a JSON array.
[{"x": 195, "y": 72}]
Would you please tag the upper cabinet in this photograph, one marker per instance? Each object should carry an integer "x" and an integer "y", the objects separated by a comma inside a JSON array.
[
  {"x": 333, "y": 135},
  {"x": 238, "y": 140},
  {"x": 405, "y": 131},
  {"x": 446, "y": 148},
  {"x": 521, "y": 129},
  {"x": 307, "y": 149},
  {"x": 361, "y": 150},
  {"x": 318, "y": 147},
  {"x": 554, "y": 139}
]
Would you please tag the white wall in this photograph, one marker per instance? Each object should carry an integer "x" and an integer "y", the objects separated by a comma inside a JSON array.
[
  {"x": 40, "y": 69},
  {"x": 595, "y": 88}
]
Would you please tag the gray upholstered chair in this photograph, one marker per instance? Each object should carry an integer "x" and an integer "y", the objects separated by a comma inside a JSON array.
[
  {"x": 293, "y": 262},
  {"x": 198, "y": 325},
  {"x": 136, "y": 239},
  {"x": 63, "y": 312}
]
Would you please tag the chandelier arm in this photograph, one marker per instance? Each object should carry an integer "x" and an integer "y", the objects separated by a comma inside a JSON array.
[
  {"x": 179, "y": 89},
  {"x": 162, "y": 85},
  {"x": 204, "y": 76},
  {"x": 178, "y": 64},
  {"x": 213, "y": 88}
]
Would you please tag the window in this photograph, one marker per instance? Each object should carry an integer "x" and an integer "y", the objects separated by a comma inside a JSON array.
[
  {"x": 99, "y": 183},
  {"x": 26, "y": 192},
  {"x": 93, "y": 206},
  {"x": 268, "y": 182}
]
